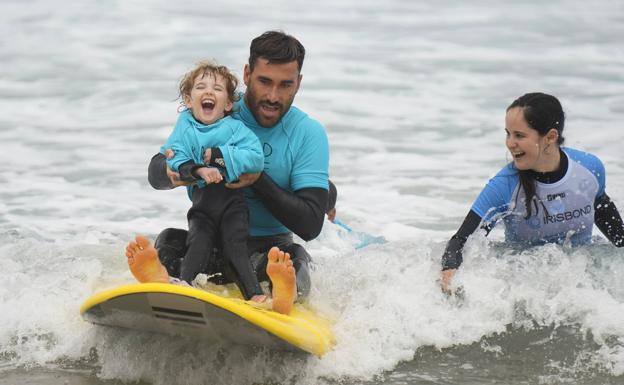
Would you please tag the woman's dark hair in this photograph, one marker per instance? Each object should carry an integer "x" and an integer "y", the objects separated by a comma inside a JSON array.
[
  {"x": 276, "y": 47},
  {"x": 542, "y": 113}
]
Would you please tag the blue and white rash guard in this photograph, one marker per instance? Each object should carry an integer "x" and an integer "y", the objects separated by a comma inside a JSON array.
[
  {"x": 566, "y": 204},
  {"x": 560, "y": 210}
]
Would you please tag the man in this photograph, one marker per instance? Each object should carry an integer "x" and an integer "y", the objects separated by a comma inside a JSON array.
[{"x": 290, "y": 195}]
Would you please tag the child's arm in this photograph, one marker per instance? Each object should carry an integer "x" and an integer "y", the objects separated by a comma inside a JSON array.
[
  {"x": 179, "y": 143},
  {"x": 240, "y": 155}
]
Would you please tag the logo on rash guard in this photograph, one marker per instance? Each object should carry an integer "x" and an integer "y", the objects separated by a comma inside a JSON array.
[
  {"x": 568, "y": 215},
  {"x": 268, "y": 150},
  {"x": 552, "y": 197}
]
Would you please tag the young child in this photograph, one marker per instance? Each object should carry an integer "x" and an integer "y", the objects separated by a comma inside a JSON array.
[{"x": 208, "y": 146}]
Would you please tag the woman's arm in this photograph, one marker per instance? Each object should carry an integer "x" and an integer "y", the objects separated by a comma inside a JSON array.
[
  {"x": 607, "y": 218},
  {"x": 453, "y": 254},
  {"x": 453, "y": 257}
]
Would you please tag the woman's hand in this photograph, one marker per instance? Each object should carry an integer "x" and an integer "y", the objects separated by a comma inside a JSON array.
[{"x": 445, "y": 280}]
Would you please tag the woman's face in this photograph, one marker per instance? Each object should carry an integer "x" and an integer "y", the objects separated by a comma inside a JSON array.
[{"x": 524, "y": 143}]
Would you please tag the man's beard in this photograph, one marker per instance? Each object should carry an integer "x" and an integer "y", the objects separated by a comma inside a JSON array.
[{"x": 256, "y": 109}]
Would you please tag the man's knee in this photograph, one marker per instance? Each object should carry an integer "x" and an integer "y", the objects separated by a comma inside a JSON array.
[
  {"x": 171, "y": 238},
  {"x": 171, "y": 246},
  {"x": 301, "y": 261},
  {"x": 298, "y": 254}
]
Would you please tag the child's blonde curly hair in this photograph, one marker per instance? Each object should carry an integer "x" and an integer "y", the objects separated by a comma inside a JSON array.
[{"x": 211, "y": 68}]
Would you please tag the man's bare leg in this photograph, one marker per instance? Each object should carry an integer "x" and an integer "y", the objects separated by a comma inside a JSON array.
[
  {"x": 282, "y": 274},
  {"x": 144, "y": 263}
]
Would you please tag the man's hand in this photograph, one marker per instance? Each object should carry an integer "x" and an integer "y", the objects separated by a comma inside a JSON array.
[
  {"x": 445, "y": 280},
  {"x": 209, "y": 174},
  {"x": 173, "y": 176},
  {"x": 331, "y": 215},
  {"x": 244, "y": 180}
]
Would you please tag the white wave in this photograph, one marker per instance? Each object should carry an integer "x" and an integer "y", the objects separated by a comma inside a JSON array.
[{"x": 413, "y": 97}]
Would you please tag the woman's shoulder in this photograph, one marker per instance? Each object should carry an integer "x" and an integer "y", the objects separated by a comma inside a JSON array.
[
  {"x": 507, "y": 173},
  {"x": 585, "y": 159}
]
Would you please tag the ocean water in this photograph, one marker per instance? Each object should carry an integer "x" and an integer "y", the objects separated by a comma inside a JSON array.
[{"x": 412, "y": 95}]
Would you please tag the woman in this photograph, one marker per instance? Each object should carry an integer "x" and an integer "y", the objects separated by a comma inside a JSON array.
[{"x": 547, "y": 194}]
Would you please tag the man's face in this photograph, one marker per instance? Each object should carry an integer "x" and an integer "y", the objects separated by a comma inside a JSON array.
[{"x": 271, "y": 89}]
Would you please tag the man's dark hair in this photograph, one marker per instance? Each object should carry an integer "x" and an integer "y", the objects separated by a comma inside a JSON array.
[{"x": 276, "y": 47}]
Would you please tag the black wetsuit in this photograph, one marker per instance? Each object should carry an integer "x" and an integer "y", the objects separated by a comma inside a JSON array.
[
  {"x": 606, "y": 217},
  {"x": 218, "y": 214},
  {"x": 301, "y": 211}
]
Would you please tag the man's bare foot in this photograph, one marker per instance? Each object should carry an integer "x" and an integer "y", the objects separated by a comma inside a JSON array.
[
  {"x": 282, "y": 274},
  {"x": 144, "y": 263}
]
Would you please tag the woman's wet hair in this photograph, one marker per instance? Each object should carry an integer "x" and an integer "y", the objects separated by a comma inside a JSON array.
[{"x": 542, "y": 113}]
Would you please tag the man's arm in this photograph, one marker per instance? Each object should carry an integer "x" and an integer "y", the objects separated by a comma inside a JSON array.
[
  {"x": 302, "y": 212},
  {"x": 157, "y": 173},
  {"x": 161, "y": 177}
]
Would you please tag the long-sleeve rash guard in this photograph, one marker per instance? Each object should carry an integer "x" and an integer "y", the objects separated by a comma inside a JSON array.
[
  {"x": 565, "y": 200},
  {"x": 300, "y": 211},
  {"x": 291, "y": 194},
  {"x": 239, "y": 148}
]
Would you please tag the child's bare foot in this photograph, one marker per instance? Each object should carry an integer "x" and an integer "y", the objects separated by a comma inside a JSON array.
[
  {"x": 144, "y": 263},
  {"x": 282, "y": 274},
  {"x": 259, "y": 298}
]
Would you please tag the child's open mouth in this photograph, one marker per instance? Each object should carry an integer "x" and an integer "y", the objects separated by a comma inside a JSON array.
[
  {"x": 207, "y": 106},
  {"x": 518, "y": 155}
]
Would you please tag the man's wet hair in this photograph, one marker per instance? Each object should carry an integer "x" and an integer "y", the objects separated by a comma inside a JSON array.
[{"x": 276, "y": 47}]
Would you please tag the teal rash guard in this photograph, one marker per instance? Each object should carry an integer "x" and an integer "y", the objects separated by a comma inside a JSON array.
[
  {"x": 239, "y": 148},
  {"x": 296, "y": 157},
  {"x": 291, "y": 193}
]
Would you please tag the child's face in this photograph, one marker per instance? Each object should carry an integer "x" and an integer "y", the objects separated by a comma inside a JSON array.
[{"x": 208, "y": 100}]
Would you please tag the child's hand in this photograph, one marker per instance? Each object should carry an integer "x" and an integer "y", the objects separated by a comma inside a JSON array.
[
  {"x": 207, "y": 156},
  {"x": 209, "y": 174}
]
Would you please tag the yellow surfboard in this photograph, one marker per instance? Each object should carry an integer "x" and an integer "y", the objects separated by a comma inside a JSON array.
[{"x": 181, "y": 310}]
